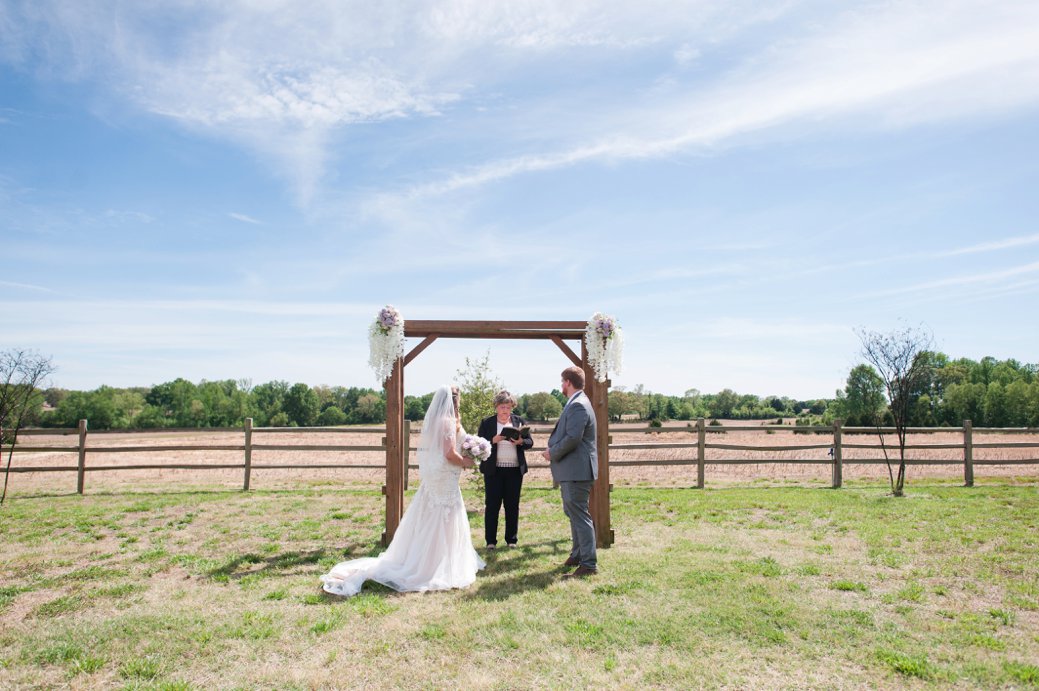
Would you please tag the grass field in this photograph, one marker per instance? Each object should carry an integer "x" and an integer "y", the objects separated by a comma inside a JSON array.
[{"x": 724, "y": 587}]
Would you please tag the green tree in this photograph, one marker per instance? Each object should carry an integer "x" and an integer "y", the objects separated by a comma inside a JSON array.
[
  {"x": 863, "y": 396},
  {"x": 542, "y": 406},
  {"x": 300, "y": 405},
  {"x": 477, "y": 386},
  {"x": 331, "y": 417},
  {"x": 923, "y": 412},
  {"x": 724, "y": 403},
  {"x": 150, "y": 417},
  {"x": 225, "y": 404},
  {"x": 98, "y": 407},
  {"x": 415, "y": 406},
  {"x": 995, "y": 406},
  {"x": 964, "y": 401},
  {"x": 266, "y": 402},
  {"x": 181, "y": 402},
  {"x": 1018, "y": 400},
  {"x": 369, "y": 408},
  {"x": 52, "y": 396}
]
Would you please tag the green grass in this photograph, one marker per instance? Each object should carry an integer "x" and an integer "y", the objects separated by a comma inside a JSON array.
[{"x": 760, "y": 587}]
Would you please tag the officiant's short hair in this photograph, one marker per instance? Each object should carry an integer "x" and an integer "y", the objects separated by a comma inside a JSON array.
[
  {"x": 574, "y": 375},
  {"x": 504, "y": 396}
]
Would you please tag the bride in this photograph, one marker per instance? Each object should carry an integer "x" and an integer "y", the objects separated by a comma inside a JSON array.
[{"x": 432, "y": 548}]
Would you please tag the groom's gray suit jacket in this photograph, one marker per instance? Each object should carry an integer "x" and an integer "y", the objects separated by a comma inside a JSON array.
[{"x": 571, "y": 445}]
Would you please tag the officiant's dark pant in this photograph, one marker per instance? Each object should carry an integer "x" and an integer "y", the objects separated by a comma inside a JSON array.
[{"x": 502, "y": 488}]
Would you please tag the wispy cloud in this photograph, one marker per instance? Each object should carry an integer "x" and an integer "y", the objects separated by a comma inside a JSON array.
[
  {"x": 132, "y": 216},
  {"x": 726, "y": 328},
  {"x": 26, "y": 286},
  {"x": 244, "y": 219},
  {"x": 1007, "y": 243},
  {"x": 283, "y": 79},
  {"x": 963, "y": 281},
  {"x": 898, "y": 65}
]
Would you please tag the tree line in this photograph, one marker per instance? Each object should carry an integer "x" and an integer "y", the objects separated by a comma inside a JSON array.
[
  {"x": 227, "y": 403},
  {"x": 991, "y": 393}
]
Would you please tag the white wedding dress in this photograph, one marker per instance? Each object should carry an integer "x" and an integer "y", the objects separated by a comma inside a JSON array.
[{"x": 432, "y": 548}]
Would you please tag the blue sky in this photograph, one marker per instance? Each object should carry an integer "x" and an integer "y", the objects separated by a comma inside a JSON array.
[{"x": 233, "y": 190}]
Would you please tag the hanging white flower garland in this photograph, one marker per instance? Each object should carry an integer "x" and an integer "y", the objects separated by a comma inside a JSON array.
[
  {"x": 385, "y": 342},
  {"x": 604, "y": 341}
]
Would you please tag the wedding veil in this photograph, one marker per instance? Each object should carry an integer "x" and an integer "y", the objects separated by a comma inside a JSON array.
[{"x": 438, "y": 424}]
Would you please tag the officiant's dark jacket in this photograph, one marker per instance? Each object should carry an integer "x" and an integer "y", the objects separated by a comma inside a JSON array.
[{"x": 488, "y": 430}]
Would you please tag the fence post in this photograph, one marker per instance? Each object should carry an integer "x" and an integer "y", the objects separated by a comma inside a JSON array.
[
  {"x": 838, "y": 456},
  {"x": 407, "y": 452},
  {"x": 248, "y": 453},
  {"x": 701, "y": 440},
  {"x": 81, "y": 467},
  {"x": 968, "y": 453}
]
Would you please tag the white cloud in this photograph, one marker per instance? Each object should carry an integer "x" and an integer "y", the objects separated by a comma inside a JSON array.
[
  {"x": 894, "y": 66},
  {"x": 244, "y": 218},
  {"x": 1006, "y": 243},
  {"x": 971, "y": 281},
  {"x": 282, "y": 78},
  {"x": 26, "y": 286},
  {"x": 686, "y": 54}
]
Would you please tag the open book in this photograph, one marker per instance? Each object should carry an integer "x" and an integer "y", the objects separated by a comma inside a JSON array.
[{"x": 512, "y": 433}]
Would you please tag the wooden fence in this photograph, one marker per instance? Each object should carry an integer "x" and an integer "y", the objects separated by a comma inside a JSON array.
[
  {"x": 247, "y": 448},
  {"x": 835, "y": 443}
]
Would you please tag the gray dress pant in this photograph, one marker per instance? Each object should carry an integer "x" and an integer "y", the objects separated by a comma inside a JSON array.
[{"x": 575, "y": 496}]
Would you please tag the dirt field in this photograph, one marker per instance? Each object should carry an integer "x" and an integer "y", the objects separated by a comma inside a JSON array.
[{"x": 756, "y": 467}]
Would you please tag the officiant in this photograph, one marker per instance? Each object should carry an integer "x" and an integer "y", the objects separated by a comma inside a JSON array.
[{"x": 503, "y": 471}]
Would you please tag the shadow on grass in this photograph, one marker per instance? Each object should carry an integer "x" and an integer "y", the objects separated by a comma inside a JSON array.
[
  {"x": 278, "y": 564},
  {"x": 517, "y": 570},
  {"x": 509, "y": 572}
]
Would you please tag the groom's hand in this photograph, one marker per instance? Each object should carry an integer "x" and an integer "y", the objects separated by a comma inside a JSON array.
[{"x": 546, "y": 455}]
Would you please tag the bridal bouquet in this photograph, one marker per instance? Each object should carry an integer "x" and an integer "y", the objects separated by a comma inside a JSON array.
[
  {"x": 385, "y": 341},
  {"x": 476, "y": 448},
  {"x": 605, "y": 343}
]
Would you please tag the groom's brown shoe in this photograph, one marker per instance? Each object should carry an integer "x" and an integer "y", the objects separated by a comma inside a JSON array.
[
  {"x": 572, "y": 561},
  {"x": 582, "y": 572}
]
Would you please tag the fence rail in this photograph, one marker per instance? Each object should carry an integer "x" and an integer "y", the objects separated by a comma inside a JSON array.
[{"x": 698, "y": 457}]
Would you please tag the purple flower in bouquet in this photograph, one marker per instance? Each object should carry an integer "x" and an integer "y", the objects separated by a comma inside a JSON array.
[
  {"x": 388, "y": 318},
  {"x": 476, "y": 448},
  {"x": 604, "y": 325}
]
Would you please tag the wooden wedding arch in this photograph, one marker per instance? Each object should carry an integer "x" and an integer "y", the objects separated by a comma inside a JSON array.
[{"x": 556, "y": 331}]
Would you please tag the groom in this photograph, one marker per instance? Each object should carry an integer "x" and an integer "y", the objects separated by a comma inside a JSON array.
[{"x": 575, "y": 465}]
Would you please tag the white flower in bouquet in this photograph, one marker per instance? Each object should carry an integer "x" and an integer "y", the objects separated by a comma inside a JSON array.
[
  {"x": 604, "y": 341},
  {"x": 476, "y": 448},
  {"x": 385, "y": 341}
]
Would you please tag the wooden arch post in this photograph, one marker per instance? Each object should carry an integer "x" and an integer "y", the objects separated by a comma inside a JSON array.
[{"x": 556, "y": 331}]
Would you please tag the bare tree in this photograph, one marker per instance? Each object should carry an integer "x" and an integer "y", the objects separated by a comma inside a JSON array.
[
  {"x": 900, "y": 357},
  {"x": 22, "y": 372}
]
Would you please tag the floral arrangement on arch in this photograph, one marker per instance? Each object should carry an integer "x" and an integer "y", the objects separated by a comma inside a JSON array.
[
  {"x": 385, "y": 341},
  {"x": 604, "y": 342}
]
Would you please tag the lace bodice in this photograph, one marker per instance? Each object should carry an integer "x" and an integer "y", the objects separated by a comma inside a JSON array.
[{"x": 439, "y": 477}]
